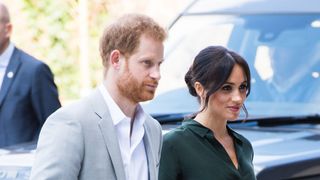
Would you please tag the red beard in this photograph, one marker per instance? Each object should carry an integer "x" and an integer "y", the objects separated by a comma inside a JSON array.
[{"x": 137, "y": 92}]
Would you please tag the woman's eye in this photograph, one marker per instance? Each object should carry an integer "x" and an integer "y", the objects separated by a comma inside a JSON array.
[
  {"x": 226, "y": 88},
  {"x": 243, "y": 87}
]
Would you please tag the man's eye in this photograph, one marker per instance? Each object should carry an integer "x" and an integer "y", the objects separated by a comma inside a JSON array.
[{"x": 147, "y": 63}]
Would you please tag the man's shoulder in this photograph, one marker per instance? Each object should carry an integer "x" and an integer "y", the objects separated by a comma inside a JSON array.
[
  {"x": 75, "y": 109},
  {"x": 27, "y": 58},
  {"x": 80, "y": 109},
  {"x": 153, "y": 123}
]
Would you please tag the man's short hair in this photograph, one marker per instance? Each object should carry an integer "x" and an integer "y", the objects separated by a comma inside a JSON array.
[{"x": 124, "y": 35}]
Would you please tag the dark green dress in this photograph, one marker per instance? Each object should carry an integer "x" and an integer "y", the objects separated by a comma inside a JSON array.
[{"x": 191, "y": 152}]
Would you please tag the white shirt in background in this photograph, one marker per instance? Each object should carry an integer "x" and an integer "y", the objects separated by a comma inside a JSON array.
[{"x": 4, "y": 61}]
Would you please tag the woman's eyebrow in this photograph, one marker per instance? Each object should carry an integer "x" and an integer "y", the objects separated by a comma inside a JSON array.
[{"x": 231, "y": 83}]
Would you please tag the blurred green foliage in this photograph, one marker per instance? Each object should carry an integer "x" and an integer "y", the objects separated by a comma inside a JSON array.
[{"x": 54, "y": 27}]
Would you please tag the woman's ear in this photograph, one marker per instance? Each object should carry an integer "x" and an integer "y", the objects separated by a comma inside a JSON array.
[
  {"x": 114, "y": 59},
  {"x": 200, "y": 90}
]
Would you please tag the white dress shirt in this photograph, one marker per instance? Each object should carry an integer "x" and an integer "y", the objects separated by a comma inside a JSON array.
[
  {"x": 4, "y": 61},
  {"x": 132, "y": 147}
]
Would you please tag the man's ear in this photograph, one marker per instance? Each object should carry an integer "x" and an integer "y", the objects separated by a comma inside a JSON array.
[
  {"x": 114, "y": 59},
  {"x": 8, "y": 29}
]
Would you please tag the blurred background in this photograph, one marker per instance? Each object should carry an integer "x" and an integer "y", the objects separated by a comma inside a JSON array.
[{"x": 65, "y": 34}]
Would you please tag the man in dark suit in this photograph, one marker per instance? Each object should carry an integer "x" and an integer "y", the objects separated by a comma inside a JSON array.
[{"x": 28, "y": 94}]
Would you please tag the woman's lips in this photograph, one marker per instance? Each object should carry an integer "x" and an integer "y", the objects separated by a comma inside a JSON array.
[{"x": 234, "y": 108}]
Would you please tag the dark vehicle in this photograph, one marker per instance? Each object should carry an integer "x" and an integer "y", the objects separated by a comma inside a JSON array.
[{"x": 280, "y": 39}]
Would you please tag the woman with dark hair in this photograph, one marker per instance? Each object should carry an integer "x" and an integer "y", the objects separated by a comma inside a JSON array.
[{"x": 204, "y": 147}]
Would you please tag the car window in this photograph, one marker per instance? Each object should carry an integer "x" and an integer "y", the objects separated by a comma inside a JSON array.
[{"x": 282, "y": 51}]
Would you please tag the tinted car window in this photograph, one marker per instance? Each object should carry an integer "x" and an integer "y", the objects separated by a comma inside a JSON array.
[{"x": 281, "y": 49}]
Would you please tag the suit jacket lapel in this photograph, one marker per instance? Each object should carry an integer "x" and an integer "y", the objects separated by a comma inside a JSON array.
[
  {"x": 10, "y": 74},
  {"x": 109, "y": 134},
  {"x": 150, "y": 155}
]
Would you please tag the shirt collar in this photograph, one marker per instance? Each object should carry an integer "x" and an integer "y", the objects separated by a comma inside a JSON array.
[
  {"x": 140, "y": 116},
  {"x": 196, "y": 127},
  {"x": 6, "y": 55},
  {"x": 236, "y": 136},
  {"x": 116, "y": 113},
  {"x": 203, "y": 131}
]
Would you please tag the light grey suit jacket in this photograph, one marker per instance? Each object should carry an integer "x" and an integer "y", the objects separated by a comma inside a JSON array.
[{"x": 79, "y": 142}]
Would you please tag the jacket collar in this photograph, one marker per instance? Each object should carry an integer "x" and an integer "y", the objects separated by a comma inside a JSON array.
[
  {"x": 108, "y": 132},
  {"x": 10, "y": 74},
  {"x": 111, "y": 141}
]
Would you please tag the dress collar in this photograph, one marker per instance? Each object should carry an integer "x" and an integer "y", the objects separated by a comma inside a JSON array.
[{"x": 203, "y": 131}]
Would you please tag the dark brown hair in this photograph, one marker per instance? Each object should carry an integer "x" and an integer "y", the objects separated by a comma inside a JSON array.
[{"x": 211, "y": 68}]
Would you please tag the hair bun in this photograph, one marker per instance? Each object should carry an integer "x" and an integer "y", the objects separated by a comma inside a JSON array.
[{"x": 188, "y": 78}]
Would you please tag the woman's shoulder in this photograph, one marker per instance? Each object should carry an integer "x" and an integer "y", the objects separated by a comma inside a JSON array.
[
  {"x": 176, "y": 134},
  {"x": 240, "y": 137}
]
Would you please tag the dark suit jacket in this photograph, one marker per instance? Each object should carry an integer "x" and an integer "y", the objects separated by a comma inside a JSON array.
[{"x": 27, "y": 97}]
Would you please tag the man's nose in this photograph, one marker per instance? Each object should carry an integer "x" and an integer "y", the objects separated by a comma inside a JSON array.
[{"x": 155, "y": 73}]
